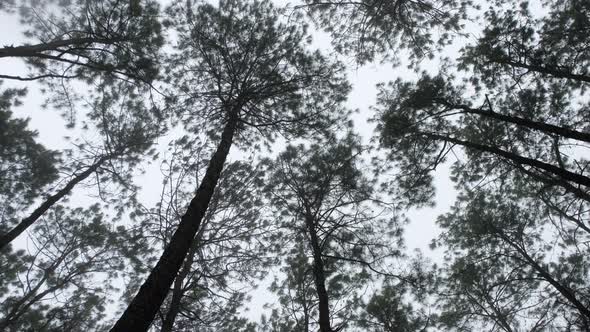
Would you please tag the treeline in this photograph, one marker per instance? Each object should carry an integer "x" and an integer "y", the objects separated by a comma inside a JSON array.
[{"x": 182, "y": 85}]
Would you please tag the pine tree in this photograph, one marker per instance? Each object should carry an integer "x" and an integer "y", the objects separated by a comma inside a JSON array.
[
  {"x": 252, "y": 79},
  {"x": 85, "y": 39},
  {"x": 327, "y": 210},
  {"x": 514, "y": 237}
]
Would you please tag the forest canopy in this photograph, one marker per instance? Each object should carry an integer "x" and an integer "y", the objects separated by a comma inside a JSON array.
[{"x": 227, "y": 166}]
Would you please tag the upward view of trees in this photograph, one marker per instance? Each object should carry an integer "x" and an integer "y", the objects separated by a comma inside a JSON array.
[{"x": 211, "y": 176}]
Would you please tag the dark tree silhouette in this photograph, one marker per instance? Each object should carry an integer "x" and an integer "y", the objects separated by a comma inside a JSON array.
[
  {"x": 50, "y": 286},
  {"x": 373, "y": 29},
  {"x": 128, "y": 131},
  {"x": 86, "y": 38},
  {"x": 228, "y": 252},
  {"x": 518, "y": 128},
  {"x": 325, "y": 200},
  {"x": 27, "y": 167},
  {"x": 238, "y": 68}
]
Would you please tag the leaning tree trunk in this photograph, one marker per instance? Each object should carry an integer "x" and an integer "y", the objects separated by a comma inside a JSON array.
[
  {"x": 564, "y": 174},
  {"x": 545, "y": 69},
  {"x": 177, "y": 291},
  {"x": 564, "y": 290},
  {"x": 19, "y": 308},
  {"x": 319, "y": 275},
  {"x": 531, "y": 124},
  {"x": 60, "y": 46},
  {"x": 141, "y": 311},
  {"x": 5, "y": 239}
]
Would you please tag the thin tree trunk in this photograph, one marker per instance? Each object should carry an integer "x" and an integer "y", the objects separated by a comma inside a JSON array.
[
  {"x": 579, "y": 193},
  {"x": 560, "y": 172},
  {"x": 564, "y": 214},
  {"x": 562, "y": 289},
  {"x": 5, "y": 239},
  {"x": 540, "y": 126},
  {"x": 500, "y": 316},
  {"x": 555, "y": 72},
  {"x": 319, "y": 275},
  {"x": 19, "y": 307},
  {"x": 141, "y": 311}
]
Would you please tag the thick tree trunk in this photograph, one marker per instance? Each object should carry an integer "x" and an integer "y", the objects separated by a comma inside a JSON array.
[
  {"x": 558, "y": 171},
  {"x": 177, "y": 291},
  {"x": 145, "y": 305},
  {"x": 5, "y": 239},
  {"x": 319, "y": 275},
  {"x": 56, "y": 45}
]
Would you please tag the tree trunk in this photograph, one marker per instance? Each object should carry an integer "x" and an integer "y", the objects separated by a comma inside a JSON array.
[
  {"x": 141, "y": 311},
  {"x": 535, "y": 125},
  {"x": 177, "y": 292},
  {"x": 562, "y": 289},
  {"x": 5, "y": 239},
  {"x": 319, "y": 275},
  {"x": 19, "y": 307},
  {"x": 56, "y": 45},
  {"x": 560, "y": 172},
  {"x": 555, "y": 72},
  {"x": 576, "y": 191}
]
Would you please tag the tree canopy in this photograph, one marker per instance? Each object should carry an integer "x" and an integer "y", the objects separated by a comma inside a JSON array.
[{"x": 208, "y": 172}]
